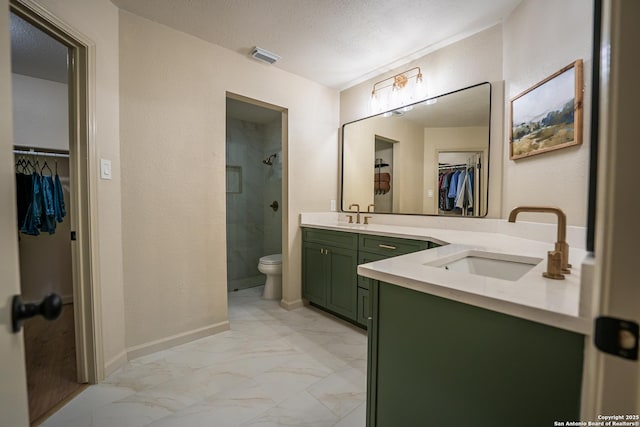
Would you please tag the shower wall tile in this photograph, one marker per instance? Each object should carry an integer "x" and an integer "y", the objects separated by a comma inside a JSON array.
[
  {"x": 272, "y": 178},
  {"x": 245, "y": 211}
]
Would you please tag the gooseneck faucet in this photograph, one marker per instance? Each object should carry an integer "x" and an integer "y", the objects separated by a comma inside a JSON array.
[
  {"x": 357, "y": 211},
  {"x": 558, "y": 259}
]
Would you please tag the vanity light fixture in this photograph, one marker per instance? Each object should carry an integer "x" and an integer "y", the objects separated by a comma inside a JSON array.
[
  {"x": 404, "y": 88},
  {"x": 264, "y": 55}
]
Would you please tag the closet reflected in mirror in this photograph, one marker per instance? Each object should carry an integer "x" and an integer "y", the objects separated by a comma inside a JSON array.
[{"x": 461, "y": 180}]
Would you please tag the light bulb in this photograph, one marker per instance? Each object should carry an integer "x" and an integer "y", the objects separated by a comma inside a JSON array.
[
  {"x": 395, "y": 97},
  {"x": 420, "y": 88},
  {"x": 375, "y": 102}
]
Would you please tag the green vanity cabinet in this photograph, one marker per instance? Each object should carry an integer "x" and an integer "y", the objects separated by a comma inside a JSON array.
[
  {"x": 329, "y": 268},
  {"x": 364, "y": 306},
  {"x": 329, "y": 262},
  {"x": 437, "y": 362},
  {"x": 374, "y": 248}
]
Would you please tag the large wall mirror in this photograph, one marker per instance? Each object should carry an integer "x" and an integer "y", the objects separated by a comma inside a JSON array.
[{"x": 429, "y": 158}]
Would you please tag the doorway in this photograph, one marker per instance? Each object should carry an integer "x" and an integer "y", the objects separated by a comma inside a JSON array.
[
  {"x": 383, "y": 174},
  {"x": 254, "y": 196},
  {"x": 49, "y": 85}
]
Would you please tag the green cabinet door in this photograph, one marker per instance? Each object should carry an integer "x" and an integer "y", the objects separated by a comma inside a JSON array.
[
  {"x": 342, "y": 281},
  {"x": 363, "y": 306},
  {"x": 437, "y": 362},
  {"x": 314, "y": 275}
]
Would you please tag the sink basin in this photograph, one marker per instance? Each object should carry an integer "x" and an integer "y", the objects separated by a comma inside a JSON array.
[{"x": 488, "y": 264}]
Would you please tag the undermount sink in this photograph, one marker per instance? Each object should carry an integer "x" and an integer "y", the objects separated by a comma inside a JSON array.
[{"x": 489, "y": 264}]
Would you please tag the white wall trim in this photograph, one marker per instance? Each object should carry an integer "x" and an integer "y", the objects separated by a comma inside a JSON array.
[
  {"x": 291, "y": 305},
  {"x": 174, "y": 340},
  {"x": 115, "y": 363}
]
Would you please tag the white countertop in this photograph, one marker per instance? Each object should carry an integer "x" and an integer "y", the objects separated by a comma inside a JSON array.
[{"x": 533, "y": 297}]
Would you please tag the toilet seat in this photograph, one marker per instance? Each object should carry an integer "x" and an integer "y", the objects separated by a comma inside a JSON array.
[{"x": 271, "y": 259}]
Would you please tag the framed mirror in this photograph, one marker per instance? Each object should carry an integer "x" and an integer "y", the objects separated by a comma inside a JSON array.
[{"x": 427, "y": 158}]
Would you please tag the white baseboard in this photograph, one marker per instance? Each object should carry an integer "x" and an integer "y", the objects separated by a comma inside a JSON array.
[
  {"x": 172, "y": 341},
  {"x": 115, "y": 363},
  {"x": 291, "y": 305}
]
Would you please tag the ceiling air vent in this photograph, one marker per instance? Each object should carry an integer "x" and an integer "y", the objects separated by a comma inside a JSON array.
[{"x": 264, "y": 55}]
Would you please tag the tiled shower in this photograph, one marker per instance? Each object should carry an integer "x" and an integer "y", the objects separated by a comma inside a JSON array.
[{"x": 254, "y": 225}]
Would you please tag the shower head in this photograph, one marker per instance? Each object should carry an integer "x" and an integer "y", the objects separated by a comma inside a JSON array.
[{"x": 269, "y": 160}]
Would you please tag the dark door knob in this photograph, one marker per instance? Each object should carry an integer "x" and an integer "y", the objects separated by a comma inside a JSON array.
[{"x": 50, "y": 308}]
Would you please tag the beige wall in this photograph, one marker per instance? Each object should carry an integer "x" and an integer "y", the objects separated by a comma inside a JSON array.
[
  {"x": 40, "y": 116},
  {"x": 473, "y": 60},
  {"x": 172, "y": 93},
  {"x": 541, "y": 37},
  {"x": 98, "y": 21}
]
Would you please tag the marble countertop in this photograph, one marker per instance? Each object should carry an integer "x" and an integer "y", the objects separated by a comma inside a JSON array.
[{"x": 533, "y": 297}]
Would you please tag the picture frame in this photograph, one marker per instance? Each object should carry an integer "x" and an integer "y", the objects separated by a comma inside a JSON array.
[{"x": 548, "y": 115}]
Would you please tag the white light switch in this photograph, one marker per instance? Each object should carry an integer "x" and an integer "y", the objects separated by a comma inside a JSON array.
[
  {"x": 105, "y": 169},
  {"x": 333, "y": 205},
  {"x": 429, "y": 193}
]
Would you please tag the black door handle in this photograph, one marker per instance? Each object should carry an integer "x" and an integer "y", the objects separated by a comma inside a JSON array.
[{"x": 50, "y": 308}]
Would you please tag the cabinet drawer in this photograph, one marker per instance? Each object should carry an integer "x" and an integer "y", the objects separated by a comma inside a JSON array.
[
  {"x": 339, "y": 239},
  {"x": 390, "y": 246}
]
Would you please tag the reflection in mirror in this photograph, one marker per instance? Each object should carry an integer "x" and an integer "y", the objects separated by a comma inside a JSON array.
[{"x": 429, "y": 158}]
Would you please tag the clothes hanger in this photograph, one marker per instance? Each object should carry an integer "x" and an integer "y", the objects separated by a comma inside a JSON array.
[{"x": 45, "y": 165}]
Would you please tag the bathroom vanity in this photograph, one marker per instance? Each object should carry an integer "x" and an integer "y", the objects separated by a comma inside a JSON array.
[
  {"x": 329, "y": 268},
  {"x": 505, "y": 344}
]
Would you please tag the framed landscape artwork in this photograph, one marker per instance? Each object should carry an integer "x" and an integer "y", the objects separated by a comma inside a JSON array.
[{"x": 548, "y": 116}]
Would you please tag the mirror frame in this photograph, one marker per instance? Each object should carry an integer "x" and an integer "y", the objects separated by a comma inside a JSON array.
[{"x": 487, "y": 162}]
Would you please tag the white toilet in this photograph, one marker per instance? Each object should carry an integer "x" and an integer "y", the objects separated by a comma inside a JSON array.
[{"x": 271, "y": 265}]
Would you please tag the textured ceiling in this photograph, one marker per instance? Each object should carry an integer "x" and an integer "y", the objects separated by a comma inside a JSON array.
[
  {"x": 337, "y": 43},
  {"x": 36, "y": 54}
]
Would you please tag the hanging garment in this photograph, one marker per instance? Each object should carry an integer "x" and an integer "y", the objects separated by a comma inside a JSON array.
[
  {"x": 31, "y": 223},
  {"x": 441, "y": 196},
  {"x": 461, "y": 193},
  {"x": 470, "y": 187},
  {"x": 58, "y": 199},
  {"x": 446, "y": 179},
  {"x": 24, "y": 186},
  {"x": 382, "y": 183},
  {"x": 453, "y": 190},
  {"x": 48, "y": 220}
]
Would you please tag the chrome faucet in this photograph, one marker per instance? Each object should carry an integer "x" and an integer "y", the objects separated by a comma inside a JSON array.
[
  {"x": 357, "y": 211},
  {"x": 558, "y": 259}
]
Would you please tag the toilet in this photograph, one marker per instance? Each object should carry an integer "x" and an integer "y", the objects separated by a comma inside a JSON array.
[{"x": 271, "y": 265}]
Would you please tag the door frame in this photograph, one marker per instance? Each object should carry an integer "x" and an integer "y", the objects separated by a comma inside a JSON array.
[
  {"x": 284, "y": 145},
  {"x": 611, "y": 384},
  {"x": 83, "y": 180}
]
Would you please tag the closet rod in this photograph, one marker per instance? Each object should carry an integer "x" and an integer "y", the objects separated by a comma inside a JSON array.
[
  {"x": 40, "y": 153},
  {"x": 453, "y": 166}
]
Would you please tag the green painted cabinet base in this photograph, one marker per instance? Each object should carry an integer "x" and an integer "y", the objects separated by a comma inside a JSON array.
[
  {"x": 363, "y": 306},
  {"x": 329, "y": 268},
  {"x": 437, "y": 362}
]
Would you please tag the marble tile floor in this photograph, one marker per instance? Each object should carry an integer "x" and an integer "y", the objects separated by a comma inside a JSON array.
[{"x": 273, "y": 368}]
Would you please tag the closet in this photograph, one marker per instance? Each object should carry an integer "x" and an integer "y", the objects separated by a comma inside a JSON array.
[{"x": 459, "y": 184}]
